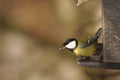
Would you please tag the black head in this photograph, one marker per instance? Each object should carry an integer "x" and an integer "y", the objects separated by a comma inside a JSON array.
[{"x": 70, "y": 44}]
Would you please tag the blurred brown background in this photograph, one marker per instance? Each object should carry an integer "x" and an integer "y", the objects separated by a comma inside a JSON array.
[{"x": 31, "y": 32}]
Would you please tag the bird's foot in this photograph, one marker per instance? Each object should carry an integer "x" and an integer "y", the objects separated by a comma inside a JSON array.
[
  {"x": 97, "y": 58},
  {"x": 81, "y": 58}
]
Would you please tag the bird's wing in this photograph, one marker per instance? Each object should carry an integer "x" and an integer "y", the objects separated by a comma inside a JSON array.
[{"x": 92, "y": 39}]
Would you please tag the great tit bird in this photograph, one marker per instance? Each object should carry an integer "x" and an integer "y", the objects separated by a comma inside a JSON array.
[{"x": 84, "y": 48}]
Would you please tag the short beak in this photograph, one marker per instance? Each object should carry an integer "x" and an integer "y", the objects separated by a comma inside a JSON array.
[{"x": 62, "y": 48}]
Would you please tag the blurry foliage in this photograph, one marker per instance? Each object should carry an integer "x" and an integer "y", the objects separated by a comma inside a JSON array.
[{"x": 32, "y": 31}]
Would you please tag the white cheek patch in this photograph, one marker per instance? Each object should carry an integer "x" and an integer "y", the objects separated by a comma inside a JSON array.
[{"x": 71, "y": 45}]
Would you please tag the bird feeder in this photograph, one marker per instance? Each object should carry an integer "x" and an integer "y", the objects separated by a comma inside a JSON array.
[{"x": 111, "y": 37}]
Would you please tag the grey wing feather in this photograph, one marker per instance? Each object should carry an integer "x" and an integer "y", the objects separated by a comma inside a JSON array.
[{"x": 92, "y": 39}]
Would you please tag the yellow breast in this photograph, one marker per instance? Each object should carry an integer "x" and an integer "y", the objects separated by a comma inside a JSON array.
[{"x": 87, "y": 51}]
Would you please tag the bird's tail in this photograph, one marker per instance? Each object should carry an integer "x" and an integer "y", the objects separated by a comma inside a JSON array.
[
  {"x": 98, "y": 33},
  {"x": 96, "y": 36}
]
